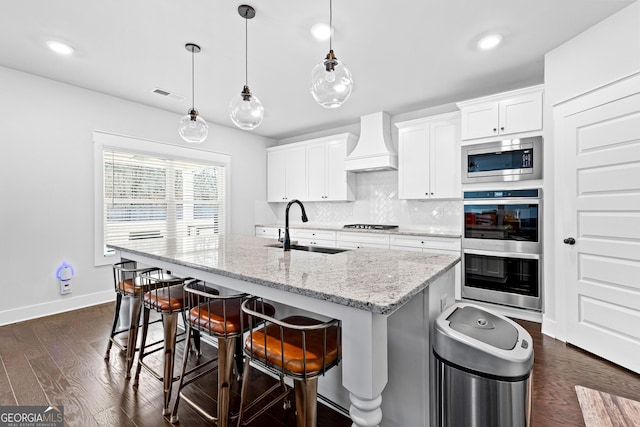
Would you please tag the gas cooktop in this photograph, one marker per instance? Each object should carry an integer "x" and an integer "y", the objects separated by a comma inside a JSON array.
[{"x": 372, "y": 226}]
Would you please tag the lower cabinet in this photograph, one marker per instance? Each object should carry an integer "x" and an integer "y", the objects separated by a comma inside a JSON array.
[
  {"x": 269, "y": 232},
  {"x": 440, "y": 245},
  {"x": 324, "y": 238},
  {"x": 356, "y": 240},
  {"x": 347, "y": 240}
]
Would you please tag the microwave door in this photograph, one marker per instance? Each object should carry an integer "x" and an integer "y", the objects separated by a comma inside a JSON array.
[{"x": 502, "y": 161}]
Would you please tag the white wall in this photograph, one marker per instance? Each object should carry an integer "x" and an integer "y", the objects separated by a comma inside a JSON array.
[
  {"x": 46, "y": 186},
  {"x": 604, "y": 53}
]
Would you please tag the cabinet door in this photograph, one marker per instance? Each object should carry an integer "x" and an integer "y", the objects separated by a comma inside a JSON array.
[
  {"x": 296, "y": 174},
  {"x": 480, "y": 120},
  {"x": 337, "y": 178},
  {"x": 316, "y": 172},
  {"x": 521, "y": 114},
  {"x": 276, "y": 176},
  {"x": 268, "y": 232},
  {"x": 445, "y": 179},
  {"x": 413, "y": 163}
]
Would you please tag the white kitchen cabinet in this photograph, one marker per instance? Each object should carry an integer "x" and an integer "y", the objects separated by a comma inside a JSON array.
[
  {"x": 325, "y": 238},
  {"x": 355, "y": 240},
  {"x": 507, "y": 113},
  {"x": 441, "y": 245},
  {"x": 286, "y": 174},
  {"x": 268, "y": 232},
  {"x": 429, "y": 158},
  {"x": 327, "y": 179}
]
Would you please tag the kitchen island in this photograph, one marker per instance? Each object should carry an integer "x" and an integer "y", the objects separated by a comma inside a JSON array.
[{"x": 386, "y": 301}]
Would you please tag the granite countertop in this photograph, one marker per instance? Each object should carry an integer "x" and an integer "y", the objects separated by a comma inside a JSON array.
[
  {"x": 376, "y": 280},
  {"x": 405, "y": 231}
]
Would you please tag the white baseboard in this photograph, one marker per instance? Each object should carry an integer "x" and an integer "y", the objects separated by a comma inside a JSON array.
[
  {"x": 46, "y": 309},
  {"x": 550, "y": 328}
]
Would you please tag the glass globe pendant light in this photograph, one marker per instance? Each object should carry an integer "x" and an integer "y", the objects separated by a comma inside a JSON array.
[
  {"x": 245, "y": 109},
  {"x": 192, "y": 128},
  {"x": 331, "y": 81}
]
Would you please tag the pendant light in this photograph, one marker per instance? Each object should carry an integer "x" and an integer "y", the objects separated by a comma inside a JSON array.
[
  {"x": 331, "y": 81},
  {"x": 192, "y": 128},
  {"x": 245, "y": 109}
]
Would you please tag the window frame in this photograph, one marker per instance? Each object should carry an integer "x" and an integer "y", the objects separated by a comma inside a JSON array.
[{"x": 107, "y": 141}]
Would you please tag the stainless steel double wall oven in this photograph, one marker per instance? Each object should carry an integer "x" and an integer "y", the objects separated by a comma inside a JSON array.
[{"x": 502, "y": 247}]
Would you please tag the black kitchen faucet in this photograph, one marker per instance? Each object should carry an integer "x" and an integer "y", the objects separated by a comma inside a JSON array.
[{"x": 286, "y": 244}]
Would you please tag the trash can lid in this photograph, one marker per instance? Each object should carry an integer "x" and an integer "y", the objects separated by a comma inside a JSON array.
[
  {"x": 483, "y": 341},
  {"x": 484, "y": 327}
]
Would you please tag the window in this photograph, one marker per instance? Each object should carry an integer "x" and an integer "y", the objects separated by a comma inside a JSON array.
[{"x": 172, "y": 192}]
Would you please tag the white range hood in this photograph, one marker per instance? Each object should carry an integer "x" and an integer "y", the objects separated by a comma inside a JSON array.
[{"x": 374, "y": 150}]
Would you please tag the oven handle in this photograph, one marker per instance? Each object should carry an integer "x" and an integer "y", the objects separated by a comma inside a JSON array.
[
  {"x": 501, "y": 254},
  {"x": 523, "y": 201}
]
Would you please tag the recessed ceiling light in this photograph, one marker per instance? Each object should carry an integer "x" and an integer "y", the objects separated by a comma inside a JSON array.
[
  {"x": 59, "y": 47},
  {"x": 489, "y": 42},
  {"x": 321, "y": 31}
]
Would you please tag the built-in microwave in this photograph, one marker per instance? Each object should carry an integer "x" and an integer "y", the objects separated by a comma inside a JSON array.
[{"x": 508, "y": 160}]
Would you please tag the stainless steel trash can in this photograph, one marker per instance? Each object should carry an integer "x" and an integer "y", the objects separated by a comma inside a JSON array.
[{"x": 483, "y": 369}]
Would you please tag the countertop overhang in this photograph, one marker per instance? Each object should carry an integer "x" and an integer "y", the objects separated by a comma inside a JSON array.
[{"x": 375, "y": 280}]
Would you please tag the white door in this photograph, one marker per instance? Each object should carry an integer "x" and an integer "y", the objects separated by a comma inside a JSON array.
[
  {"x": 521, "y": 114},
  {"x": 316, "y": 172},
  {"x": 296, "y": 174},
  {"x": 480, "y": 120},
  {"x": 276, "y": 176},
  {"x": 413, "y": 162},
  {"x": 337, "y": 186},
  {"x": 445, "y": 179},
  {"x": 600, "y": 192}
]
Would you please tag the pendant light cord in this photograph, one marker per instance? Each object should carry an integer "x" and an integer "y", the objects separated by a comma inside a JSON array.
[
  {"x": 246, "y": 49},
  {"x": 330, "y": 25},
  {"x": 193, "y": 92}
]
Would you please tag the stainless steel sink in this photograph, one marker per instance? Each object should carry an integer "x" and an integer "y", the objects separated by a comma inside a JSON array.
[{"x": 319, "y": 249}]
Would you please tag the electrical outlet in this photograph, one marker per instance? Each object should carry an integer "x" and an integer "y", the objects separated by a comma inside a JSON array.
[{"x": 65, "y": 287}]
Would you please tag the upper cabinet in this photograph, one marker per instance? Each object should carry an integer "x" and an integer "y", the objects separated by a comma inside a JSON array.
[
  {"x": 429, "y": 158},
  {"x": 507, "y": 113},
  {"x": 327, "y": 179},
  {"x": 311, "y": 170},
  {"x": 286, "y": 174}
]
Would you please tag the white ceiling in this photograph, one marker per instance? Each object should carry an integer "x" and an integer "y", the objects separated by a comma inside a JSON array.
[{"x": 404, "y": 55}]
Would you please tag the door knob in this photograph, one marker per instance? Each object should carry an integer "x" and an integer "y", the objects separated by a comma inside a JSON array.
[{"x": 569, "y": 241}]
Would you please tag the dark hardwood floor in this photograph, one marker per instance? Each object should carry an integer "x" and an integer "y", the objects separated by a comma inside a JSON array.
[{"x": 59, "y": 360}]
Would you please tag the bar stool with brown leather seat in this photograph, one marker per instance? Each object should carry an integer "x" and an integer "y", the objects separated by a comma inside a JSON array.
[
  {"x": 127, "y": 283},
  {"x": 220, "y": 317},
  {"x": 164, "y": 296},
  {"x": 298, "y": 347}
]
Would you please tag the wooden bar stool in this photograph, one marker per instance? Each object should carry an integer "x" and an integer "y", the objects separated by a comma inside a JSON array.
[
  {"x": 220, "y": 317},
  {"x": 298, "y": 347},
  {"x": 164, "y": 296},
  {"x": 127, "y": 283}
]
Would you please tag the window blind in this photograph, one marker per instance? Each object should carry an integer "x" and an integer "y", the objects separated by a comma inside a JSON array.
[{"x": 148, "y": 197}]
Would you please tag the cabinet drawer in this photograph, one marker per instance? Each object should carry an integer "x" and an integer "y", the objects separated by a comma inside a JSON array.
[
  {"x": 435, "y": 243},
  {"x": 354, "y": 245},
  {"x": 373, "y": 238},
  {"x": 316, "y": 242},
  {"x": 315, "y": 234},
  {"x": 267, "y": 232}
]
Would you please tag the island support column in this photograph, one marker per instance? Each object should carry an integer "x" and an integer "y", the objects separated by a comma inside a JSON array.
[{"x": 364, "y": 365}]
